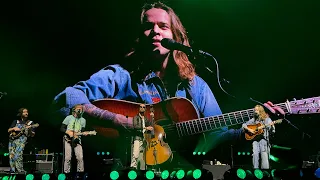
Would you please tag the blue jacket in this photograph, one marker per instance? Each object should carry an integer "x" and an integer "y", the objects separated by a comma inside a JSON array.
[{"x": 115, "y": 82}]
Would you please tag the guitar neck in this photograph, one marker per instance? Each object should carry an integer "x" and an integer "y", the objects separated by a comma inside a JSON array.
[{"x": 202, "y": 125}]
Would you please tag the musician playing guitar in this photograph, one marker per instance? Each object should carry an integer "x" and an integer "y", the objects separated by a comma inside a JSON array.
[
  {"x": 17, "y": 143},
  {"x": 141, "y": 125},
  {"x": 260, "y": 145},
  {"x": 71, "y": 125}
]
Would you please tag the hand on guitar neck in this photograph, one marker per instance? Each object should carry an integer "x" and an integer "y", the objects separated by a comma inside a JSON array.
[{"x": 77, "y": 134}]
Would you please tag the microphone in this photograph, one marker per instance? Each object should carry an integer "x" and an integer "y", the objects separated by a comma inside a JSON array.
[
  {"x": 173, "y": 45},
  {"x": 3, "y": 93}
]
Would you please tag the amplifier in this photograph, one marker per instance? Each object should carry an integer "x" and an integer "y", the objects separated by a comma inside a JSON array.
[{"x": 42, "y": 163}]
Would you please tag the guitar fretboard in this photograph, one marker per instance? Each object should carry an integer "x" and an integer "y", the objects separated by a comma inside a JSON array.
[{"x": 202, "y": 125}]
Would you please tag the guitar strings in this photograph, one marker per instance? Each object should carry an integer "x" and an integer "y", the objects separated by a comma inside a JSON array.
[{"x": 205, "y": 122}]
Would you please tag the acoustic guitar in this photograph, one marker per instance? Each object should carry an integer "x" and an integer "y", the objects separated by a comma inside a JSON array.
[
  {"x": 23, "y": 131},
  {"x": 258, "y": 129},
  {"x": 70, "y": 135},
  {"x": 178, "y": 116}
]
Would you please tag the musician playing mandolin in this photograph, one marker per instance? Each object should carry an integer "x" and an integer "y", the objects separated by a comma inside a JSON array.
[
  {"x": 141, "y": 125},
  {"x": 17, "y": 145},
  {"x": 260, "y": 145},
  {"x": 71, "y": 125}
]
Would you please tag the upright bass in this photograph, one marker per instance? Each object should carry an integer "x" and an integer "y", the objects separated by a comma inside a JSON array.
[{"x": 157, "y": 151}]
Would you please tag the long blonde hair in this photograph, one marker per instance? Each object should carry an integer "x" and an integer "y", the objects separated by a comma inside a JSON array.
[
  {"x": 262, "y": 113},
  {"x": 185, "y": 67}
]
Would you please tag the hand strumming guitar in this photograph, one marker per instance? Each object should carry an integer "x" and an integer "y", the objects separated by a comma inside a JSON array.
[
  {"x": 149, "y": 128},
  {"x": 250, "y": 130},
  {"x": 16, "y": 129}
]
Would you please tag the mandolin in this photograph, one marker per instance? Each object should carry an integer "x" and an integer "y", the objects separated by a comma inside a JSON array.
[
  {"x": 16, "y": 134},
  {"x": 258, "y": 129}
]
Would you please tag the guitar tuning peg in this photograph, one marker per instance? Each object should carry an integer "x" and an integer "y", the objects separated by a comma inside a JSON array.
[{"x": 294, "y": 99}]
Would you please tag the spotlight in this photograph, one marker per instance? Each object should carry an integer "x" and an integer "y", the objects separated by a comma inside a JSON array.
[
  {"x": 180, "y": 174},
  {"x": 29, "y": 177},
  {"x": 258, "y": 173},
  {"x": 149, "y": 174},
  {"x": 165, "y": 174},
  {"x": 45, "y": 177},
  {"x": 132, "y": 175},
  {"x": 114, "y": 175},
  {"x": 61, "y": 177},
  {"x": 241, "y": 174}
]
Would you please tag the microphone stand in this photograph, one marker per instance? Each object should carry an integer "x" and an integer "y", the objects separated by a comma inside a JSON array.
[
  {"x": 268, "y": 142},
  {"x": 303, "y": 133},
  {"x": 127, "y": 137}
]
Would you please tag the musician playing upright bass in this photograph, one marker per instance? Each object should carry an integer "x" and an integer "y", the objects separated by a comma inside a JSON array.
[
  {"x": 16, "y": 145},
  {"x": 261, "y": 144},
  {"x": 141, "y": 126}
]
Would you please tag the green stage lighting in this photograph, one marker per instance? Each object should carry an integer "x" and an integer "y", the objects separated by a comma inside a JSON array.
[
  {"x": 114, "y": 175},
  {"x": 150, "y": 174},
  {"x": 30, "y": 177},
  {"x": 61, "y": 177},
  {"x": 132, "y": 175},
  {"x": 241, "y": 174},
  {"x": 258, "y": 173},
  {"x": 45, "y": 177},
  {"x": 165, "y": 174},
  {"x": 180, "y": 174}
]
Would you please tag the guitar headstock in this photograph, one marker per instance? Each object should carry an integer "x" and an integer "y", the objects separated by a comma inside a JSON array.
[
  {"x": 92, "y": 133},
  {"x": 304, "y": 106},
  {"x": 277, "y": 121},
  {"x": 35, "y": 125}
]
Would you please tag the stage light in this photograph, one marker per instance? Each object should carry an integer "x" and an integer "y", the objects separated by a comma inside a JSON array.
[
  {"x": 5, "y": 178},
  {"x": 45, "y": 177},
  {"x": 249, "y": 174},
  {"x": 241, "y": 174},
  {"x": 180, "y": 174},
  {"x": 30, "y": 177},
  {"x": 150, "y": 174},
  {"x": 132, "y": 175},
  {"x": 98, "y": 153},
  {"x": 203, "y": 153},
  {"x": 248, "y": 153},
  {"x": 243, "y": 153},
  {"x": 61, "y": 177},
  {"x": 196, "y": 174},
  {"x": 173, "y": 174},
  {"x": 199, "y": 153},
  {"x": 165, "y": 174},
  {"x": 108, "y": 153},
  {"x": 239, "y": 153},
  {"x": 102, "y": 153},
  {"x": 266, "y": 174},
  {"x": 258, "y": 173},
  {"x": 194, "y": 153},
  {"x": 114, "y": 175}
]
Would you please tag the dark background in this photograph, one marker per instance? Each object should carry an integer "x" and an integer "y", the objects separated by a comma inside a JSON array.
[{"x": 267, "y": 49}]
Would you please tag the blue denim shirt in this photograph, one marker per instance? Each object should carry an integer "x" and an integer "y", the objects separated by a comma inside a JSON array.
[{"x": 115, "y": 82}]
